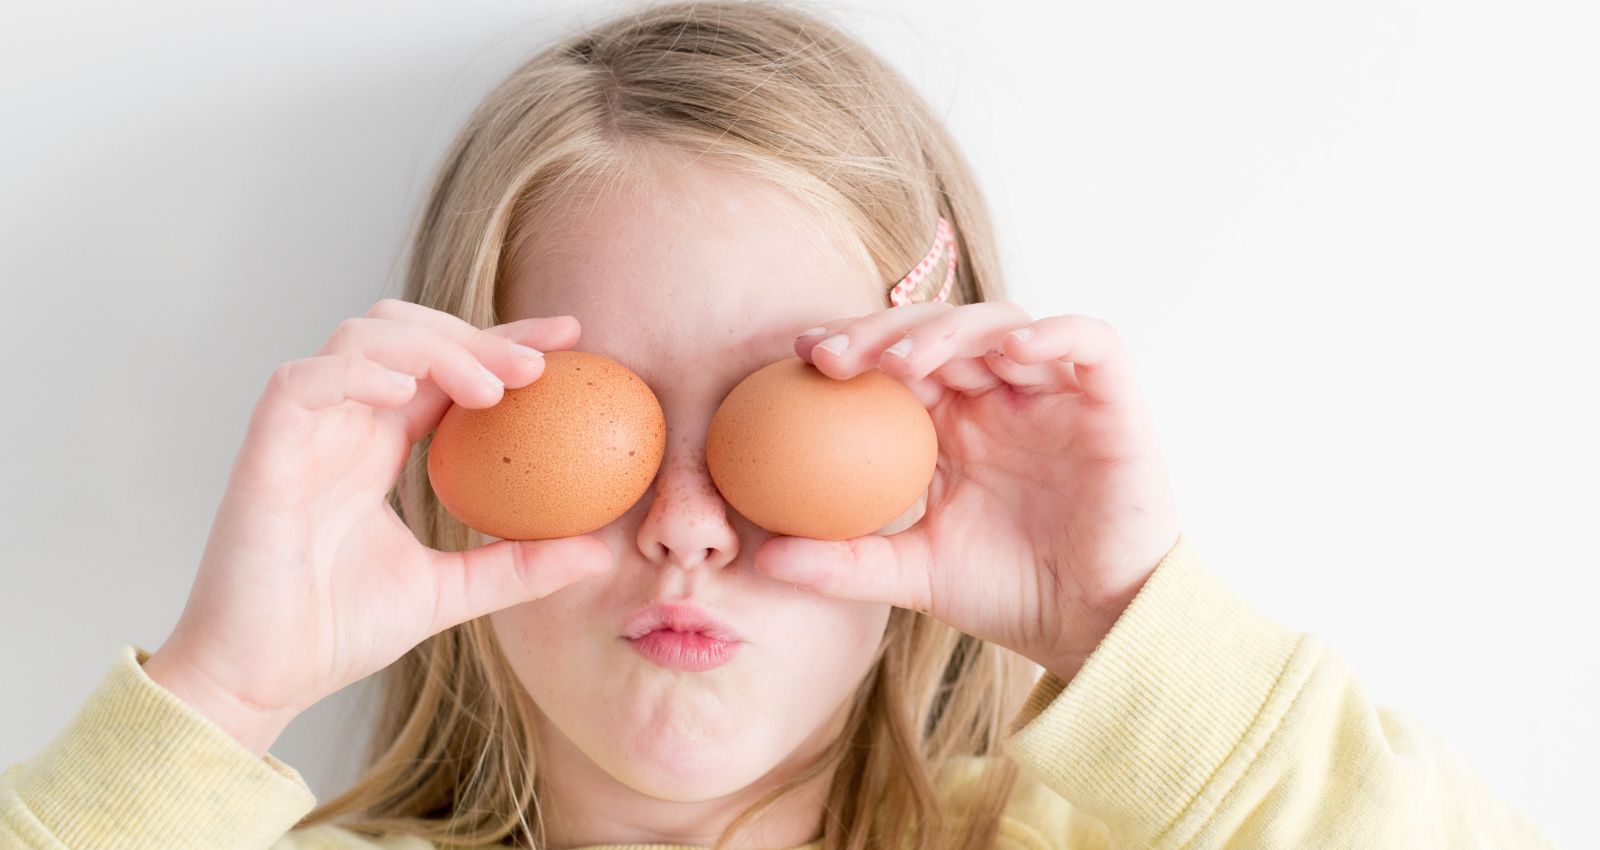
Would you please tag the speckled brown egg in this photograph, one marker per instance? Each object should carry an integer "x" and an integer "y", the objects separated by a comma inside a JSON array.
[
  {"x": 564, "y": 455},
  {"x": 800, "y": 453}
]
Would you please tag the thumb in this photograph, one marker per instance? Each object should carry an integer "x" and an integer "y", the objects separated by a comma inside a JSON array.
[
  {"x": 892, "y": 570},
  {"x": 483, "y": 580}
]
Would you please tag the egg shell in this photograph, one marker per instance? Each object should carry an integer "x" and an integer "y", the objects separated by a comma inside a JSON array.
[
  {"x": 564, "y": 455},
  {"x": 802, "y": 454}
]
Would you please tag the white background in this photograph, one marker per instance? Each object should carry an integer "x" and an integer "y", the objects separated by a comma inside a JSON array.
[{"x": 1354, "y": 247}]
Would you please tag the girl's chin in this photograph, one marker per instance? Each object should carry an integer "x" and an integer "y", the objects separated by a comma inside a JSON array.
[{"x": 688, "y": 771}]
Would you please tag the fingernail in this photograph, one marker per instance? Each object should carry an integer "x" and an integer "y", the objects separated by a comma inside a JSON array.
[
  {"x": 813, "y": 332},
  {"x": 490, "y": 376},
  {"x": 1021, "y": 334},
  {"x": 901, "y": 348},
  {"x": 835, "y": 344},
  {"x": 526, "y": 353},
  {"x": 402, "y": 380}
]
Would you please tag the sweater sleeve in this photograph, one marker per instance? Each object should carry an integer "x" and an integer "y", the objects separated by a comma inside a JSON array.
[
  {"x": 138, "y": 768},
  {"x": 1199, "y": 723}
]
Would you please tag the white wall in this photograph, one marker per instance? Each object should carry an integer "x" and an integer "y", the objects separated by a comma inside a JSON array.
[{"x": 1354, "y": 247}]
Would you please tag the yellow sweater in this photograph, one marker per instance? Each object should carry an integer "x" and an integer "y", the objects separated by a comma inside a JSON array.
[{"x": 1197, "y": 723}]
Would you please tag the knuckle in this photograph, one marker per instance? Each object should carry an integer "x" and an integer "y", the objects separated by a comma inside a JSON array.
[
  {"x": 1074, "y": 324},
  {"x": 385, "y": 308},
  {"x": 941, "y": 328},
  {"x": 861, "y": 551},
  {"x": 523, "y": 569},
  {"x": 351, "y": 368},
  {"x": 347, "y": 332},
  {"x": 1090, "y": 324},
  {"x": 481, "y": 338},
  {"x": 281, "y": 377},
  {"x": 293, "y": 379},
  {"x": 455, "y": 355},
  {"x": 872, "y": 324},
  {"x": 932, "y": 314}
]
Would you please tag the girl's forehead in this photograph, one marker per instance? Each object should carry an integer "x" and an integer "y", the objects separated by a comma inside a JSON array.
[
  {"x": 679, "y": 324},
  {"x": 703, "y": 270}
]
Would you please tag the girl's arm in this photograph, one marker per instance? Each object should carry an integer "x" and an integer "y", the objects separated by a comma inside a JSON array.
[
  {"x": 1199, "y": 723},
  {"x": 309, "y": 581},
  {"x": 139, "y": 768},
  {"x": 1191, "y": 721}
]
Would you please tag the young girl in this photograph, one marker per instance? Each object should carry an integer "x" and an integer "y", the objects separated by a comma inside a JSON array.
[{"x": 697, "y": 191}]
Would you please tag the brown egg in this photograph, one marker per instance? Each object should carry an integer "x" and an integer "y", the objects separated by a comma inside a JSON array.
[
  {"x": 564, "y": 455},
  {"x": 802, "y": 454}
]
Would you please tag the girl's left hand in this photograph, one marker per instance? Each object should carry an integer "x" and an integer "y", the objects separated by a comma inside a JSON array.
[{"x": 1050, "y": 505}]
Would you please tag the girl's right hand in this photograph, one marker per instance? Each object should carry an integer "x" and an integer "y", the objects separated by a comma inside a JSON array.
[{"x": 309, "y": 580}]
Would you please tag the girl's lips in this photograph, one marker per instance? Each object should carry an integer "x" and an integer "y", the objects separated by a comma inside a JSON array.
[
  {"x": 690, "y": 652},
  {"x": 680, "y": 636}
]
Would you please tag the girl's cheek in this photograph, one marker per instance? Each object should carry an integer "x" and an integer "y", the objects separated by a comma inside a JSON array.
[{"x": 848, "y": 646}]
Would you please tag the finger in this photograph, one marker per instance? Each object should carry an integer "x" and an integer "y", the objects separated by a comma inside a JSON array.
[
  {"x": 317, "y": 383},
  {"x": 970, "y": 375},
  {"x": 300, "y": 388},
  {"x": 425, "y": 353},
  {"x": 968, "y": 331},
  {"x": 1051, "y": 376},
  {"x": 483, "y": 580},
  {"x": 550, "y": 333},
  {"x": 891, "y": 570},
  {"x": 855, "y": 346},
  {"x": 555, "y": 333},
  {"x": 1100, "y": 363},
  {"x": 928, "y": 391},
  {"x": 511, "y": 352},
  {"x": 808, "y": 340}
]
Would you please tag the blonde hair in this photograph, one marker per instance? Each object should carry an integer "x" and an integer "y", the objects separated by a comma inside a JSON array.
[{"x": 781, "y": 95}]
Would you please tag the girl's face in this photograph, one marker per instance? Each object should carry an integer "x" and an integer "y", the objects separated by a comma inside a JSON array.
[{"x": 693, "y": 277}]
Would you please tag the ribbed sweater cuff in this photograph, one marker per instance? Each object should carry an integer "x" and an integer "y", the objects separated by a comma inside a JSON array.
[
  {"x": 137, "y": 767},
  {"x": 1170, "y": 710}
]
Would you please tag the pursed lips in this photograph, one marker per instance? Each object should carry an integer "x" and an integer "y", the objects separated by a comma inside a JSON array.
[{"x": 681, "y": 636}]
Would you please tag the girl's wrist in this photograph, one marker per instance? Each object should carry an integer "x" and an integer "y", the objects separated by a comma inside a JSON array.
[
  {"x": 1066, "y": 662},
  {"x": 253, "y": 727},
  {"x": 1094, "y": 622}
]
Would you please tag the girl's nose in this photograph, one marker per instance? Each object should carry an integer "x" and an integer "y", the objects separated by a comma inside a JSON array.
[{"x": 687, "y": 525}]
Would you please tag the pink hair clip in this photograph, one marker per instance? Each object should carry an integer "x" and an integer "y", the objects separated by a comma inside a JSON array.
[{"x": 943, "y": 240}]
